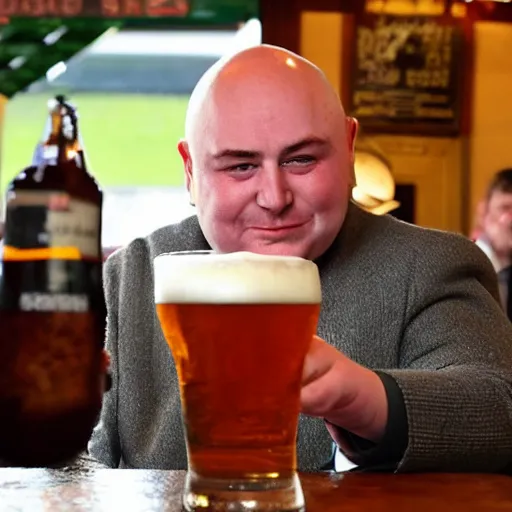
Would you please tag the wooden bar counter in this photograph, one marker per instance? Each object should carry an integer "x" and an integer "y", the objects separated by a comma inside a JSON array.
[{"x": 125, "y": 490}]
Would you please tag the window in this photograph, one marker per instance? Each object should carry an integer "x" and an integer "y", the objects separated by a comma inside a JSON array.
[{"x": 131, "y": 88}]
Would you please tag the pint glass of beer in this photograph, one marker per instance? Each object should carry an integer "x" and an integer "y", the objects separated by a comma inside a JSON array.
[{"x": 239, "y": 326}]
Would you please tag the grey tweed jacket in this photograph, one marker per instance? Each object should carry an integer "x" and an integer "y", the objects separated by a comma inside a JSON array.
[{"x": 421, "y": 305}]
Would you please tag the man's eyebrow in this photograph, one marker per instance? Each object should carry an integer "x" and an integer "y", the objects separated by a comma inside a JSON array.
[
  {"x": 304, "y": 143},
  {"x": 236, "y": 153}
]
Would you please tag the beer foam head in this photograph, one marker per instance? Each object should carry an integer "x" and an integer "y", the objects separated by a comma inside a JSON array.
[{"x": 235, "y": 278}]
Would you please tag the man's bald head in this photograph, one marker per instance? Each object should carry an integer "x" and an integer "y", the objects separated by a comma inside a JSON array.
[{"x": 254, "y": 74}]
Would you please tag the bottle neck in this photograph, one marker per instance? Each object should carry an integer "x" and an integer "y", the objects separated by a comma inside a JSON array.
[{"x": 61, "y": 139}]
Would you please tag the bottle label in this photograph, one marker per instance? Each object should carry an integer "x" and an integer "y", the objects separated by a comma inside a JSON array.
[
  {"x": 52, "y": 253},
  {"x": 46, "y": 225}
]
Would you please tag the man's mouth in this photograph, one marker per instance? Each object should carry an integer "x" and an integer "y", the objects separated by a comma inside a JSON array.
[
  {"x": 279, "y": 228},
  {"x": 279, "y": 231}
]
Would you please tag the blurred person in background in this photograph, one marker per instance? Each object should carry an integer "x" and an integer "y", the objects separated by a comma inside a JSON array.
[{"x": 494, "y": 234}]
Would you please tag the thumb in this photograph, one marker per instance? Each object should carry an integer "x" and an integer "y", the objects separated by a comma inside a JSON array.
[{"x": 319, "y": 360}]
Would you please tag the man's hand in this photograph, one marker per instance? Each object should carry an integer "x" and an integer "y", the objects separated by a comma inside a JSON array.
[{"x": 342, "y": 392}]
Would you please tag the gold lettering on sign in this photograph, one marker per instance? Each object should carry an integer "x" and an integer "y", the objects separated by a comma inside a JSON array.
[
  {"x": 387, "y": 49},
  {"x": 409, "y": 62}
]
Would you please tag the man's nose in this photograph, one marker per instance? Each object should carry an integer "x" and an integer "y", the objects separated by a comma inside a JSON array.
[{"x": 274, "y": 193}]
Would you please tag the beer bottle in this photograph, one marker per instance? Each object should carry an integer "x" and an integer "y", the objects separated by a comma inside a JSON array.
[{"x": 52, "y": 309}]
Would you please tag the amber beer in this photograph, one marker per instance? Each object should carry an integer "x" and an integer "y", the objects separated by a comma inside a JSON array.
[
  {"x": 239, "y": 326},
  {"x": 52, "y": 309}
]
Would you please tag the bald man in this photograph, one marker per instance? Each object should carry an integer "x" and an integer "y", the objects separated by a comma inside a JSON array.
[{"x": 412, "y": 366}]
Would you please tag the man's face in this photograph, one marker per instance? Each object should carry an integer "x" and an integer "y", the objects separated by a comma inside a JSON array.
[
  {"x": 271, "y": 175},
  {"x": 497, "y": 221}
]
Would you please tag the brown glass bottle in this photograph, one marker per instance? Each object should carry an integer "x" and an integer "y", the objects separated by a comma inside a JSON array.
[{"x": 52, "y": 309}]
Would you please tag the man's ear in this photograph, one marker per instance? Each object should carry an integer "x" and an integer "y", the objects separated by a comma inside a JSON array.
[
  {"x": 187, "y": 166},
  {"x": 352, "y": 129}
]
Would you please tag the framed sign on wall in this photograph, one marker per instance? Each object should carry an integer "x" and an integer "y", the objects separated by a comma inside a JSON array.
[{"x": 407, "y": 74}]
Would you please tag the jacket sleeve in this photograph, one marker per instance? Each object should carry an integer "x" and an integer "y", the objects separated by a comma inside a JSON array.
[
  {"x": 455, "y": 368},
  {"x": 104, "y": 444}
]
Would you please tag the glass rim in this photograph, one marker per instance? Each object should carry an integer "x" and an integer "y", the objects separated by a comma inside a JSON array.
[
  {"x": 213, "y": 252},
  {"x": 201, "y": 252}
]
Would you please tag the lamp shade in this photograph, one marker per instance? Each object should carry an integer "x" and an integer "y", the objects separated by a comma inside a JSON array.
[{"x": 375, "y": 185}]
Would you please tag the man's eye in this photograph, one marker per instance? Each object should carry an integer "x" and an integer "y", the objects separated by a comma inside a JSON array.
[
  {"x": 242, "y": 167},
  {"x": 300, "y": 161}
]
